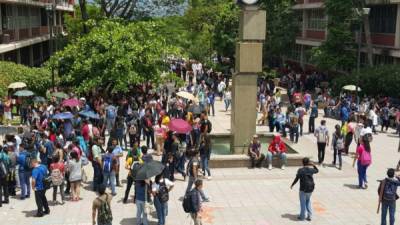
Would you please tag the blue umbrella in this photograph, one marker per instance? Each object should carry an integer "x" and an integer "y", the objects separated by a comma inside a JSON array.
[
  {"x": 63, "y": 116},
  {"x": 89, "y": 114}
]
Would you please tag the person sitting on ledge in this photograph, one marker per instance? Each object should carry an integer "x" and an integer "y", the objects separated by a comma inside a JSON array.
[
  {"x": 277, "y": 147},
  {"x": 255, "y": 154}
]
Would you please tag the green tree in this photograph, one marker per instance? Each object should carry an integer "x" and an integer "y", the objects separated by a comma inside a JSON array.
[
  {"x": 282, "y": 27},
  {"x": 37, "y": 79},
  {"x": 114, "y": 55},
  {"x": 338, "y": 51}
]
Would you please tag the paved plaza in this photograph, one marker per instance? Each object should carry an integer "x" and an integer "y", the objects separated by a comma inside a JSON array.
[{"x": 246, "y": 196}]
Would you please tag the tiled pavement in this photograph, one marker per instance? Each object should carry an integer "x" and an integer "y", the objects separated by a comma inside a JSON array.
[{"x": 247, "y": 197}]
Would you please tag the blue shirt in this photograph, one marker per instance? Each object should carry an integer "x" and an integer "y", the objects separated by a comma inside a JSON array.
[
  {"x": 38, "y": 174},
  {"x": 21, "y": 161},
  {"x": 140, "y": 192}
]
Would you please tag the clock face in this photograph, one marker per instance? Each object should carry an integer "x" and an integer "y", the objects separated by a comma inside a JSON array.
[{"x": 250, "y": 2}]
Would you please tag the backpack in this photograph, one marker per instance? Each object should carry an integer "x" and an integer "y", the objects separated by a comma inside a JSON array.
[
  {"x": 107, "y": 165},
  {"x": 163, "y": 194},
  {"x": 57, "y": 177},
  {"x": 187, "y": 203},
  {"x": 132, "y": 130},
  {"x": 339, "y": 143},
  {"x": 389, "y": 191},
  {"x": 3, "y": 169},
  {"x": 47, "y": 182},
  {"x": 321, "y": 135},
  {"x": 294, "y": 120},
  {"x": 308, "y": 183},
  {"x": 134, "y": 169},
  {"x": 365, "y": 158},
  {"x": 209, "y": 126},
  {"x": 104, "y": 215},
  {"x": 110, "y": 113},
  {"x": 28, "y": 162}
]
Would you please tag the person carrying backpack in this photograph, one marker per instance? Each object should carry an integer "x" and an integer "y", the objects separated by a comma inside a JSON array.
[
  {"x": 24, "y": 171},
  {"x": 313, "y": 115},
  {"x": 57, "y": 173},
  {"x": 387, "y": 192},
  {"x": 4, "y": 171},
  {"x": 192, "y": 172},
  {"x": 101, "y": 207},
  {"x": 322, "y": 135},
  {"x": 132, "y": 164},
  {"x": 363, "y": 157},
  {"x": 160, "y": 190},
  {"x": 307, "y": 185},
  {"x": 192, "y": 202},
  {"x": 338, "y": 145},
  {"x": 109, "y": 170}
]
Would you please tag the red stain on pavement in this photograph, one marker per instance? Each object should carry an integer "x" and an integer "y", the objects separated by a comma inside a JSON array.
[
  {"x": 318, "y": 207},
  {"x": 206, "y": 214}
]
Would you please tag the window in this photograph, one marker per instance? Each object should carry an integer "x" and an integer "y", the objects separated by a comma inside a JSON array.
[
  {"x": 35, "y": 17},
  {"x": 382, "y": 19},
  {"x": 316, "y": 19}
]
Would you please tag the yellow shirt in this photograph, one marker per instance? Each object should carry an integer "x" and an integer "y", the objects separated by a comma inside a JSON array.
[{"x": 165, "y": 120}]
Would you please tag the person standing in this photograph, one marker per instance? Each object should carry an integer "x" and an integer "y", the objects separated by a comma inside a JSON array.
[
  {"x": 117, "y": 153},
  {"x": 141, "y": 197},
  {"x": 322, "y": 135},
  {"x": 307, "y": 185},
  {"x": 75, "y": 175},
  {"x": 301, "y": 111},
  {"x": 160, "y": 190},
  {"x": 313, "y": 115},
  {"x": 387, "y": 192},
  {"x": 385, "y": 111},
  {"x": 97, "y": 162},
  {"x": 147, "y": 122},
  {"x": 39, "y": 172},
  {"x": 57, "y": 172},
  {"x": 227, "y": 98},
  {"x": 24, "y": 171},
  {"x": 101, "y": 207},
  {"x": 5, "y": 163}
]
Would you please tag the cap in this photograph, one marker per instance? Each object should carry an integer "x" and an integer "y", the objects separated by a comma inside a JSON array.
[
  {"x": 255, "y": 136},
  {"x": 82, "y": 99},
  {"x": 365, "y": 131}
]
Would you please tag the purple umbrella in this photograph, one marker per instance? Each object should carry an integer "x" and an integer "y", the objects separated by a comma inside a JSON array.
[
  {"x": 71, "y": 102},
  {"x": 179, "y": 126}
]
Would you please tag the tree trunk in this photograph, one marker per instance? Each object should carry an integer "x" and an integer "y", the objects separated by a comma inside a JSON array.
[{"x": 85, "y": 17}]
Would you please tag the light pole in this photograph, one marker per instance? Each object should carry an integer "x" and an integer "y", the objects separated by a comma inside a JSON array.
[
  {"x": 50, "y": 8},
  {"x": 361, "y": 14}
]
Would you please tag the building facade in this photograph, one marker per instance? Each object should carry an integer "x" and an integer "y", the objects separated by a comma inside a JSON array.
[
  {"x": 26, "y": 26},
  {"x": 384, "y": 17}
]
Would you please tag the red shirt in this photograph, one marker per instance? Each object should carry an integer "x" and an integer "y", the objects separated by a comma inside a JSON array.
[
  {"x": 59, "y": 166},
  {"x": 85, "y": 132},
  {"x": 277, "y": 145}
]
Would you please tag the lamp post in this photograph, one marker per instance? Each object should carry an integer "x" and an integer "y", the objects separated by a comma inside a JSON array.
[
  {"x": 50, "y": 8},
  {"x": 361, "y": 14}
]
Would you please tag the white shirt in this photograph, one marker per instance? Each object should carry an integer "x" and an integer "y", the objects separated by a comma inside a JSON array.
[{"x": 155, "y": 187}]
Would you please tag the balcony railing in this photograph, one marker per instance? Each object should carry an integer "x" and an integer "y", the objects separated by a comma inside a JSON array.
[{"x": 12, "y": 35}]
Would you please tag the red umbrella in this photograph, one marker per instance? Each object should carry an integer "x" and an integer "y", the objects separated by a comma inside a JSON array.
[
  {"x": 180, "y": 126},
  {"x": 71, "y": 102}
]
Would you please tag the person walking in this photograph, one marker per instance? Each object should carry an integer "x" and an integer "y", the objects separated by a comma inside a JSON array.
[
  {"x": 101, "y": 207},
  {"x": 5, "y": 163},
  {"x": 307, "y": 185},
  {"x": 97, "y": 162},
  {"x": 24, "y": 171},
  {"x": 322, "y": 135},
  {"x": 227, "y": 98},
  {"x": 192, "y": 172},
  {"x": 313, "y": 115},
  {"x": 160, "y": 190},
  {"x": 387, "y": 192},
  {"x": 39, "y": 172},
  {"x": 75, "y": 175},
  {"x": 117, "y": 153},
  {"x": 363, "y": 157},
  {"x": 205, "y": 153},
  {"x": 133, "y": 157},
  {"x": 195, "y": 196},
  {"x": 109, "y": 168},
  {"x": 141, "y": 197},
  {"x": 337, "y": 145}
]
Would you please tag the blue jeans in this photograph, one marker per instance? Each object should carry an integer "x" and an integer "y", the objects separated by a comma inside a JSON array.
[
  {"x": 391, "y": 205},
  {"x": 282, "y": 156},
  {"x": 141, "y": 215},
  {"x": 162, "y": 210},
  {"x": 180, "y": 166},
  {"x": 97, "y": 175},
  {"x": 305, "y": 204},
  {"x": 294, "y": 133},
  {"x": 109, "y": 178},
  {"x": 227, "y": 103},
  {"x": 362, "y": 174},
  {"x": 204, "y": 165},
  {"x": 24, "y": 177}
]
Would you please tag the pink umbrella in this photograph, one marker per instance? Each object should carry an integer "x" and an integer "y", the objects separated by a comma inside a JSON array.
[
  {"x": 71, "y": 102},
  {"x": 179, "y": 126}
]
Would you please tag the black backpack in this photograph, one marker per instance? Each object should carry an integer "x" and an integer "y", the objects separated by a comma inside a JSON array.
[
  {"x": 308, "y": 183},
  {"x": 163, "y": 194},
  {"x": 209, "y": 126},
  {"x": 187, "y": 203},
  {"x": 389, "y": 191},
  {"x": 3, "y": 169}
]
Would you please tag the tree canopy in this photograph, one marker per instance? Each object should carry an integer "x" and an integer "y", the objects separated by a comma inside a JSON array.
[{"x": 113, "y": 55}]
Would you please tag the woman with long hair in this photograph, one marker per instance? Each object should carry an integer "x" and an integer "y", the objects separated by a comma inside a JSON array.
[
  {"x": 363, "y": 156},
  {"x": 75, "y": 174}
]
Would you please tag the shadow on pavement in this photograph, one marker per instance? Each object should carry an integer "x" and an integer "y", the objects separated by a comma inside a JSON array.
[
  {"x": 351, "y": 186},
  {"x": 130, "y": 221},
  {"x": 31, "y": 213},
  {"x": 292, "y": 217}
]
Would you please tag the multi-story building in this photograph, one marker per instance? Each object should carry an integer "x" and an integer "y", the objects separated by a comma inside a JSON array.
[
  {"x": 26, "y": 26},
  {"x": 384, "y": 17}
]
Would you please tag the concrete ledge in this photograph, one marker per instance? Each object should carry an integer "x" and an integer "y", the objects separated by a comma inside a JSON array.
[{"x": 235, "y": 161}]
